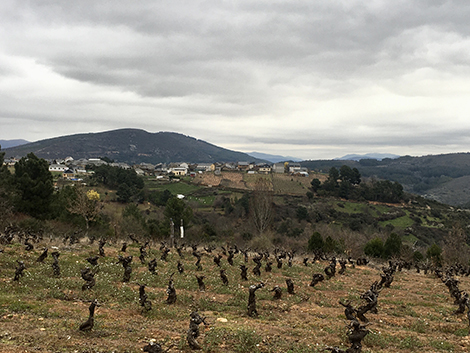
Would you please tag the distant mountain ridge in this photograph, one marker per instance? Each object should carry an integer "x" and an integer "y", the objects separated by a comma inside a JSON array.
[
  {"x": 131, "y": 146},
  {"x": 358, "y": 157},
  {"x": 273, "y": 158},
  {"x": 12, "y": 143}
]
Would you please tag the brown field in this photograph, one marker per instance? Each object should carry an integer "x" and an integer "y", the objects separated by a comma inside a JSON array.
[
  {"x": 226, "y": 179},
  {"x": 282, "y": 183},
  {"x": 41, "y": 313}
]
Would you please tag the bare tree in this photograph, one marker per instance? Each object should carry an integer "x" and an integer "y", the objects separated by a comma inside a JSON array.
[
  {"x": 455, "y": 249},
  {"x": 261, "y": 205}
]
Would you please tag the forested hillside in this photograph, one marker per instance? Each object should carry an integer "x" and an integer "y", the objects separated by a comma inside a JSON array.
[{"x": 440, "y": 177}]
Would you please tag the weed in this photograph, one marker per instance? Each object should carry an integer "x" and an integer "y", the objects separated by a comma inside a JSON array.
[
  {"x": 246, "y": 340},
  {"x": 462, "y": 332},
  {"x": 19, "y": 306},
  {"x": 378, "y": 339},
  {"x": 419, "y": 326},
  {"x": 442, "y": 345},
  {"x": 411, "y": 342}
]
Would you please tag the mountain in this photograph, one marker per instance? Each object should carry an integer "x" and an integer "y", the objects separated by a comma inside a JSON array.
[
  {"x": 12, "y": 143},
  {"x": 131, "y": 146},
  {"x": 358, "y": 157},
  {"x": 273, "y": 158}
]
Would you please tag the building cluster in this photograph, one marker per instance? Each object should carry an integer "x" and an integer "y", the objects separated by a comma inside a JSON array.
[{"x": 73, "y": 169}]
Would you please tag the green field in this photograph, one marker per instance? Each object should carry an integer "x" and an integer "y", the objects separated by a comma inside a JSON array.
[{"x": 178, "y": 187}]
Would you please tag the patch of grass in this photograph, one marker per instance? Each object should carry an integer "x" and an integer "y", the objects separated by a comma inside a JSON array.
[
  {"x": 202, "y": 200},
  {"x": 442, "y": 345},
  {"x": 419, "y": 326},
  {"x": 462, "y": 332},
  {"x": 213, "y": 339},
  {"x": 175, "y": 187},
  {"x": 410, "y": 342},
  {"x": 409, "y": 238},
  {"x": 350, "y": 207},
  {"x": 246, "y": 341},
  {"x": 19, "y": 306},
  {"x": 241, "y": 340},
  {"x": 380, "y": 340},
  {"x": 400, "y": 222}
]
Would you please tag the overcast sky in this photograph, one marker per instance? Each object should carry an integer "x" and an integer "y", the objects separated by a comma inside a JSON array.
[{"x": 310, "y": 79}]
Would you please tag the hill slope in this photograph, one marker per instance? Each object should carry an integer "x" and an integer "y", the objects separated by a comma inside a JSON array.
[
  {"x": 130, "y": 146},
  {"x": 444, "y": 177}
]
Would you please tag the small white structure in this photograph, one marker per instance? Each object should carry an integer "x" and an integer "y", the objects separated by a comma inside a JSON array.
[
  {"x": 58, "y": 168},
  {"x": 178, "y": 171}
]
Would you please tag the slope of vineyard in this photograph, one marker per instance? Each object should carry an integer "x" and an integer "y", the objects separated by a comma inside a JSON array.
[{"x": 42, "y": 313}]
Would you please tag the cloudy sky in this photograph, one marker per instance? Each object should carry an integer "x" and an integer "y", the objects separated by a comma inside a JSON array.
[{"x": 310, "y": 79}]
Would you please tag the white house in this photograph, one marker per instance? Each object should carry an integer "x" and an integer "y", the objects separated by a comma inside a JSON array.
[
  {"x": 58, "y": 168},
  {"x": 178, "y": 171},
  {"x": 295, "y": 167}
]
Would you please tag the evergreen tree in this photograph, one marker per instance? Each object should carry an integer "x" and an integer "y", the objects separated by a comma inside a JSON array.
[
  {"x": 34, "y": 186},
  {"x": 331, "y": 184},
  {"x": 316, "y": 242},
  {"x": 177, "y": 210},
  {"x": 434, "y": 253},
  {"x": 374, "y": 248},
  {"x": 315, "y": 184},
  {"x": 392, "y": 246}
]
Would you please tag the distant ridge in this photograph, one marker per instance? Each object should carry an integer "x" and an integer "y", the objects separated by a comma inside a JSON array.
[
  {"x": 131, "y": 146},
  {"x": 358, "y": 157},
  {"x": 12, "y": 143},
  {"x": 273, "y": 158}
]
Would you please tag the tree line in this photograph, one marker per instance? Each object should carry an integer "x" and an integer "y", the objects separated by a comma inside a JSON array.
[
  {"x": 30, "y": 190},
  {"x": 347, "y": 183}
]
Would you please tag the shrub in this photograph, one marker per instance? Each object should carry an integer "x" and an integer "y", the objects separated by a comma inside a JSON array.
[
  {"x": 392, "y": 246},
  {"x": 315, "y": 242},
  {"x": 434, "y": 253},
  {"x": 332, "y": 245},
  {"x": 374, "y": 248},
  {"x": 302, "y": 213},
  {"x": 418, "y": 256}
]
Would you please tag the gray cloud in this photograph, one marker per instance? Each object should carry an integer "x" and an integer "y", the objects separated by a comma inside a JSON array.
[{"x": 313, "y": 78}]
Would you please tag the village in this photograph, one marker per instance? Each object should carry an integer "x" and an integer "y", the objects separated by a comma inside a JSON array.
[{"x": 72, "y": 169}]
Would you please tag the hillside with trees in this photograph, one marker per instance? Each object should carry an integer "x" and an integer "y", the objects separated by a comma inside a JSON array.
[{"x": 443, "y": 178}]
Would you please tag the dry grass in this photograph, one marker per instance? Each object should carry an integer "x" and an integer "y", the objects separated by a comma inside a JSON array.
[{"x": 41, "y": 313}]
